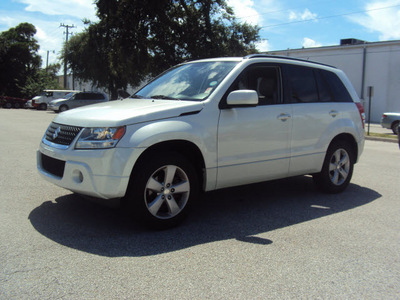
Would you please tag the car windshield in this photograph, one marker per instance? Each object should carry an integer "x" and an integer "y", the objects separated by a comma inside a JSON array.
[
  {"x": 69, "y": 95},
  {"x": 194, "y": 81}
]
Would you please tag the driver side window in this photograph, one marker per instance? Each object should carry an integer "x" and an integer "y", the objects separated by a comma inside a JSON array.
[{"x": 264, "y": 80}]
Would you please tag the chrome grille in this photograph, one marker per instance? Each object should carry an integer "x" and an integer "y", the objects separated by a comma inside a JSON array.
[{"x": 61, "y": 134}]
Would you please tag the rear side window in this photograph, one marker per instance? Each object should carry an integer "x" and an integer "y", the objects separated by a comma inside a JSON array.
[
  {"x": 324, "y": 91},
  {"x": 337, "y": 88},
  {"x": 307, "y": 85},
  {"x": 302, "y": 85},
  {"x": 98, "y": 96},
  {"x": 89, "y": 96}
]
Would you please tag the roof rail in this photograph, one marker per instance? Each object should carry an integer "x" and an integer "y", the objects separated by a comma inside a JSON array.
[{"x": 285, "y": 57}]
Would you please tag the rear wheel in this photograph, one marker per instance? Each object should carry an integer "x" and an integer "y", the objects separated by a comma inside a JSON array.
[
  {"x": 395, "y": 128},
  {"x": 162, "y": 189},
  {"x": 337, "y": 169}
]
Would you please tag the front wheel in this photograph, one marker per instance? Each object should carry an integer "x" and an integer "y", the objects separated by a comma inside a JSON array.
[
  {"x": 337, "y": 169},
  {"x": 63, "y": 108},
  {"x": 162, "y": 189}
]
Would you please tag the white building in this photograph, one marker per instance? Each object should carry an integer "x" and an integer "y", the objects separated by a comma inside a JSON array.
[{"x": 375, "y": 65}]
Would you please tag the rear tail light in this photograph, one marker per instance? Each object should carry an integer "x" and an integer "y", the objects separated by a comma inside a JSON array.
[
  {"x": 362, "y": 113},
  {"x": 384, "y": 116}
]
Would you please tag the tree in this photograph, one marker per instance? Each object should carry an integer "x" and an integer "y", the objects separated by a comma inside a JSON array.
[
  {"x": 41, "y": 80},
  {"x": 134, "y": 39},
  {"x": 18, "y": 59}
]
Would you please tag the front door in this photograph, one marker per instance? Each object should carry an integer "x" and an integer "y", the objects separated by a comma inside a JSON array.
[{"x": 253, "y": 142}]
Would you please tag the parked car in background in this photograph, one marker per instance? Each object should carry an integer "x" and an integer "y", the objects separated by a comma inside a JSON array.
[
  {"x": 391, "y": 120},
  {"x": 41, "y": 102},
  {"x": 12, "y": 102},
  {"x": 74, "y": 100}
]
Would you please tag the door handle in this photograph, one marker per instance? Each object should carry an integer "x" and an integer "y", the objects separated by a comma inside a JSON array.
[
  {"x": 284, "y": 116},
  {"x": 333, "y": 113}
]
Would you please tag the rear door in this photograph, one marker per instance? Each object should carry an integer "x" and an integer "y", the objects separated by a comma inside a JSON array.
[
  {"x": 253, "y": 142},
  {"x": 319, "y": 107}
]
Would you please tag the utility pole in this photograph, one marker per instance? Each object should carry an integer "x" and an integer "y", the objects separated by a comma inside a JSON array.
[
  {"x": 47, "y": 60},
  {"x": 66, "y": 50}
]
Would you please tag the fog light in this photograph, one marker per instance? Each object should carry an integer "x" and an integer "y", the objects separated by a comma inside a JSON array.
[{"x": 77, "y": 176}]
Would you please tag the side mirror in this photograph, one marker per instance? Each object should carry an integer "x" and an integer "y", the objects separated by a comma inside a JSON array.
[
  {"x": 122, "y": 94},
  {"x": 242, "y": 98}
]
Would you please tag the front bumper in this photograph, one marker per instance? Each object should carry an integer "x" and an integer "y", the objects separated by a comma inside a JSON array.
[
  {"x": 31, "y": 104},
  {"x": 97, "y": 173},
  {"x": 54, "y": 107}
]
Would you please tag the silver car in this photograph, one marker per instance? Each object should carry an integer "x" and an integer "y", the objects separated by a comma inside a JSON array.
[
  {"x": 206, "y": 125},
  {"x": 391, "y": 121},
  {"x": 73, "y": 100}
]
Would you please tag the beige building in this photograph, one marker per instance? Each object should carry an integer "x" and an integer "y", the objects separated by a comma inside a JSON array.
[{"x": 370, "y": 66}]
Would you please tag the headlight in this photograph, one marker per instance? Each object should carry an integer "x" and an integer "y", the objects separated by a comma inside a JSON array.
[{"x": 100, "y": 137}]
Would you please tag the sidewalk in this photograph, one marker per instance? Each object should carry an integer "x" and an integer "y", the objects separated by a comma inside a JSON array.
[{"x": 377, "y": 128}]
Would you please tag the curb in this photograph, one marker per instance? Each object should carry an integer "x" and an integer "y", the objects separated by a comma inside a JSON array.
[{"x": 380, "y": 139}]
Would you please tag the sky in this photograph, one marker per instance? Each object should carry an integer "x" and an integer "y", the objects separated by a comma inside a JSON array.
[{"x": 285, "y": 24}]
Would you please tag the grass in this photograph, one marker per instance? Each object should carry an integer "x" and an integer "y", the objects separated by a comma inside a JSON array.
[{"x": 384, "y": 135}]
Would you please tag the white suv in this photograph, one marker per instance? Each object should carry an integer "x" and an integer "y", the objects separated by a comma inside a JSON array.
[{"x": 206, "y": 125}]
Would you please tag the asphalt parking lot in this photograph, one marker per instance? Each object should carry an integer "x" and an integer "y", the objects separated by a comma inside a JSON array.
[{"x": 274, "y": 240}]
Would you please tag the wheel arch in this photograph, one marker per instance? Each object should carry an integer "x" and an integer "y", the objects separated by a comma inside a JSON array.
[
  {"x": 183, "y": 147},
  {"x": 347, "y": 137}
]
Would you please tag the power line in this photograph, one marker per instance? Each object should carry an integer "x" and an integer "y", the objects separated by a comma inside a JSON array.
[{"x": 328, "y": 17}]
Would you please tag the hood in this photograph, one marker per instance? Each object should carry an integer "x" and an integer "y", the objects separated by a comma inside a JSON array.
[{"x": 126, "y": 112}]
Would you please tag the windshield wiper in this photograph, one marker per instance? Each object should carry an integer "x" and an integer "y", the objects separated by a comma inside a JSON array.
[
  {"x": 163, "y": 97},
  {"x": 136, "y": 96}
]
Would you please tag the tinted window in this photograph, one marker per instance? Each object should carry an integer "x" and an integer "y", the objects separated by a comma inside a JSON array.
[
  {"x": 79, "y": 96},
  {"x": 89, "y": 96},
  {"x": 325, "y": 94},
  {"x": 98, "y": 97},
  {"x": 302, "y": 84},
  {"x": 338, "y": 90}
]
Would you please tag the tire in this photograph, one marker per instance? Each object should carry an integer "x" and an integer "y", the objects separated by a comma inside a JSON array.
[
  {"x": 8, "y": 105},
  {"x": 17, "y": 105},
  {"x": 337, "y": 169},
  {"x": 162, "y": 189},
  {"x": 395, "y": 128},
  {"x": 63, "y": 108},
  {"x": 42, "y": 106}
]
